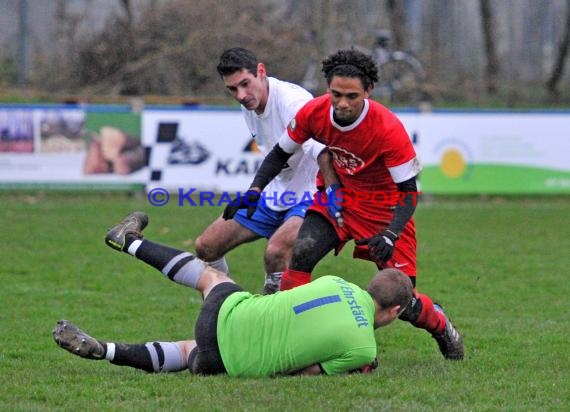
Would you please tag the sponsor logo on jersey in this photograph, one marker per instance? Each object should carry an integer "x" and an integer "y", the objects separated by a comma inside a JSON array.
[{"x": 346, "y": 160}]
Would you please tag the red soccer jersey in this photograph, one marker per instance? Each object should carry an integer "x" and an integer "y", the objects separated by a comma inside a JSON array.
[{"x": 370, "y": 154}]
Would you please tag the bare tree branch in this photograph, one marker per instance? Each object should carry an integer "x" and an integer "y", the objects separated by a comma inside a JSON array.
[
  {"x": 488, "y": 26},
  {"x": 558, "y": 69},
  {"x": 397, "y": 20},
  {"x": 126, "y": 4}
]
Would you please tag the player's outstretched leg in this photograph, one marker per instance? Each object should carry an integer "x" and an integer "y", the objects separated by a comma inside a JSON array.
[
  {"x": 150, "y": 357},
  {"x": 120, "y": 236},
  {"x": 424, "y": 314},
  {"x": 177, "y": 265}
]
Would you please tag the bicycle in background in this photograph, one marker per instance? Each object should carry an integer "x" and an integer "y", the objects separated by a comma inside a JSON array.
[{"x": 401, "y": 75}]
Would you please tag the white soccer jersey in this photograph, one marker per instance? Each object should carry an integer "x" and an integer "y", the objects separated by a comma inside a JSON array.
[{"x": 284, "y": 100}]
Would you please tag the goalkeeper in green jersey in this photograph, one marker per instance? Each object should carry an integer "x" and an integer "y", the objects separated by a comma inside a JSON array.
[{"x": 326, "y": 326}]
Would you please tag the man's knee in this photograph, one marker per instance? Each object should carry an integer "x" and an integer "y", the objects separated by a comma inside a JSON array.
[
  {"x": 206, "y": 250},
  {"x": 304, "y": 245},
  {"x": 306, "y": 254}
]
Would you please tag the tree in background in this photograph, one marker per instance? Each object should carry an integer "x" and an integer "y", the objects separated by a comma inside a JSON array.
[
  {"x": 492, "y": 61},
  {"x": 113, "y": 48},
  {"x": 397, "y": 19},
  {"x": 171, "y": 48},
  {"x": 558, "y": 69}
]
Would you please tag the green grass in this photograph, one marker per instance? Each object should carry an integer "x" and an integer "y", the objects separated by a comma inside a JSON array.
[{"x": 500, "y": 266}]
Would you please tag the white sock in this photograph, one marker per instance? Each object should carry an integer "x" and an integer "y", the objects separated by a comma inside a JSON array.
[
  {"x": 173, "y": 360},
  {"x": 189, "y": 274},
  {"x": 220, "y": 265},
  {"x": 132, "y": 250},
  {"x": 110, "y": 354}
]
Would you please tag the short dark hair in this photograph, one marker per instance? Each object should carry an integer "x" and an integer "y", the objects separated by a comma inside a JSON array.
[
  {"x": 391, "y": 287},
  {"x": 237, "y": 59},
  {"x": 351, "y": 63}
]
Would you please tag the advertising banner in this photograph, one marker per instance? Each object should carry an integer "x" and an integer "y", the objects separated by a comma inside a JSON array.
[
  {"x": 492, "y": 153},
  {"x": 203, "y": 149},
  {"x": 53, "y": 146},
  {"x": 199, "y": 149}
]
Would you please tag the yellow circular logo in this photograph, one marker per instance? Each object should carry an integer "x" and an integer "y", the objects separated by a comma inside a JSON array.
[{"x": 453, "y": 163}]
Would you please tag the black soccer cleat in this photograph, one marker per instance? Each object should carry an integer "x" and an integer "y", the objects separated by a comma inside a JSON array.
[
  {"x": 132, "y": 225},
  {"x": 74, "y": 340},
  {"x": 450, "y": 341}
]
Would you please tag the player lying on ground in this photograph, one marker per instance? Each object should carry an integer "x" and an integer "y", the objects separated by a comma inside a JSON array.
[{"x": 326, "y": 326}]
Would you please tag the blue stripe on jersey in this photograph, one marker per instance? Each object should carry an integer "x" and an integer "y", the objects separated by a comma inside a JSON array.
[{"x": 311, "y": 304}]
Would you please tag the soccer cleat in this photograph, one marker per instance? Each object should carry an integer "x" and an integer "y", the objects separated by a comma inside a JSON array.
[
  {"x": 450, "y": 341},
  {"x": 133, "y": 225},
  {"x": 272, "y": 283},
  {"x": 74, "y": 340}
]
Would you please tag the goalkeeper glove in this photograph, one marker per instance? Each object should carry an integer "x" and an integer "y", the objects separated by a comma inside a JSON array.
[
  {"x": 247, "y": 200},
  {"x": 380, "y": 246}
]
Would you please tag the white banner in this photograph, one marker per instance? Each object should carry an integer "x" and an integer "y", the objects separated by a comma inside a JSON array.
[
  {"x": 57, "y": 146},
  {"x": 199, "y": 149},
  {"x": 492, "y": 152},
  {"x": 181, "y": 149}
]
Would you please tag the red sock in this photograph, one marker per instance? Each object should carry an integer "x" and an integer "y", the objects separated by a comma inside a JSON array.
[
  {"x": 293, "y": 278},
  {"x": 430, "y": 318}
]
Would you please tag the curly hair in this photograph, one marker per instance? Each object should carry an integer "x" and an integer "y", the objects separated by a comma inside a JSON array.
[
  {"x": 351, "y": 63},
  {"x": 237, "y": 59}
]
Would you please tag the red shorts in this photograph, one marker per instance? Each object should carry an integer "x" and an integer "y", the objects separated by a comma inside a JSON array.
[{"x": 360, "y": 223}]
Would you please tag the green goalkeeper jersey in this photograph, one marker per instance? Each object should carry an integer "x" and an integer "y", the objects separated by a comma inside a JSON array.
[{"x": 328, "y": 321}]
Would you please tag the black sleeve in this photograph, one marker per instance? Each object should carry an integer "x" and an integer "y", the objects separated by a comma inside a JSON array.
[
  {"x": 270, "y": 167},
  {"x": 406, "y": 207}
]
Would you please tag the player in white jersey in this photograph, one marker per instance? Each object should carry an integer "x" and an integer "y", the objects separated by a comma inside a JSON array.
[{"x": 268, "y": 105}]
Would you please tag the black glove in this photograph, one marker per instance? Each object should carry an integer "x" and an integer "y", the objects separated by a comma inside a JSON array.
[
  {"x": 247, "y": 200},
  {"x": 380, "y": 246}
]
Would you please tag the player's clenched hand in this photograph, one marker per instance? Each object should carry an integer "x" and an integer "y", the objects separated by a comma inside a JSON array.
[
  {"x": 380, "y": 246},
  {"x": 247, "y": 200}
]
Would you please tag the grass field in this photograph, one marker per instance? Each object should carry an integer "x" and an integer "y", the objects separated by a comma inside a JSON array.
[{"x": 499, "y": 266}]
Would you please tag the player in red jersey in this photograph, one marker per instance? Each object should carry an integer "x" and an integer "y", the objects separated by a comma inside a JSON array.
[{"x": 369, "y": 179}]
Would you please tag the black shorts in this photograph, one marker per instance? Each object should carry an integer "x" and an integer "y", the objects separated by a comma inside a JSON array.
[{"x": 206, "y": 359}]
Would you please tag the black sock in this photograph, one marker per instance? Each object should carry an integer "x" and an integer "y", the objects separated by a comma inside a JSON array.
[
  {"x": 158, "y": 256},
  {"x": 136, "y": 356}
]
